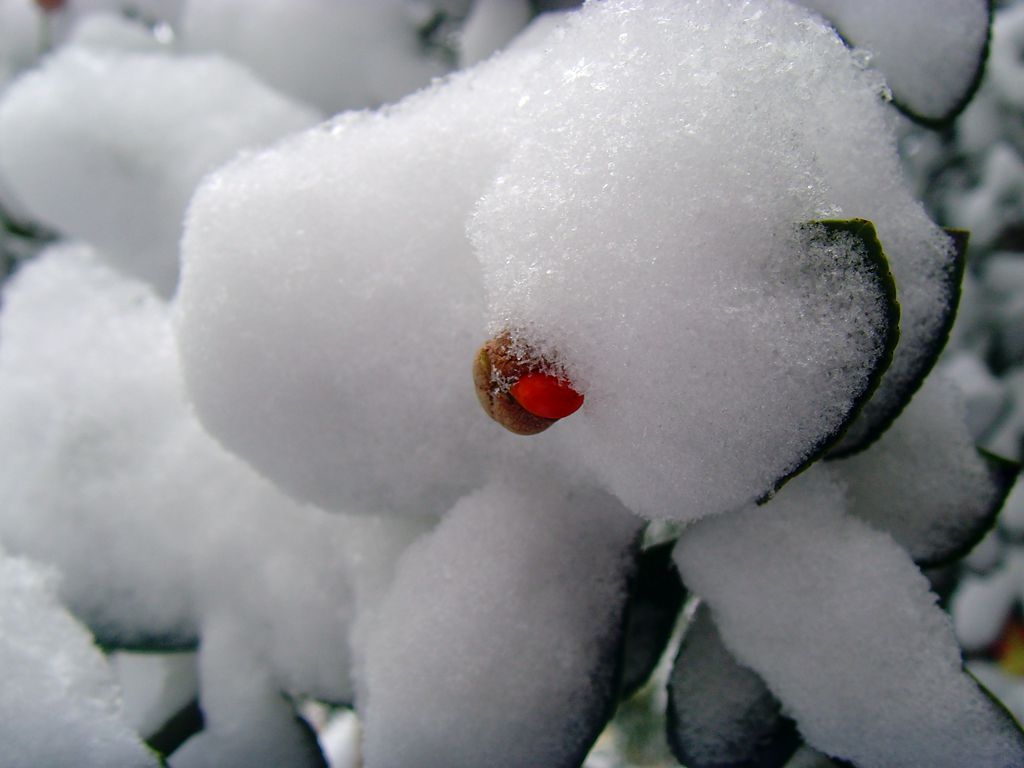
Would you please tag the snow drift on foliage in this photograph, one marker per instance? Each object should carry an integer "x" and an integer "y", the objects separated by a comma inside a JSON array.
[
  {"x": 845, "y": 631},
  {"x": 107, "y": 146},
  {"x": 332, "y": 302},
  {"x": 163, "y": 537},
  {"x": 60, "y": 703}
]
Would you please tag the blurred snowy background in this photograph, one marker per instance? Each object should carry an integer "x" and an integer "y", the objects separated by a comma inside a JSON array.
[{"x": 110, "y": 114}]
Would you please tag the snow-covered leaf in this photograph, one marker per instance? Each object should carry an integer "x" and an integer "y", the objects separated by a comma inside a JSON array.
[
  {"x": 841, "y": 625},
  {"x": 932, "y": 52},
  {"x": 932, "y": 290},
  {"x": 686, "y": 300},
  {"x": 181, "y": 726},
  {"x": 500, "y": 643},
  {"x": 339, "y": 55},
  {"x": 925, "y": 483},
  {"x": 59, "y": 703},
  {"x": 720, "y": 713},
  {"x": 107, "y": 146},
  {"x": 861, "y": 238}
]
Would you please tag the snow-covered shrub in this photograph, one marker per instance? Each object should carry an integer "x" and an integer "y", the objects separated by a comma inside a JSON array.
[{"x": 689, "y": 219}]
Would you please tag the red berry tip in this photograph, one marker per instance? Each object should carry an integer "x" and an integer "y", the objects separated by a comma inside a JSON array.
[{"x": 546, "y": 396}]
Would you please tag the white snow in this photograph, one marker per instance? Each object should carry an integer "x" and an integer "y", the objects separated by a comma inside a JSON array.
[
  {"x": 498, "y": 642},
  {"x": 722, "y": 707},
  {"x": 985, "y": 397},
  {"x": 490, "y": 26},
  {"x": 155, "y": 686},
  {"x": 160, "y": 534},
  {"x": 614, "y": 226},
  {"x": 107, "y": 146},
  {"x": 336, "y": 355},
  {"x": 60, "y": 702},
  {"x": 1005, "y": 63},
  {"x": 624, "y": 190},
  {"x": 843, "y": 628},
  {"x": 332, "y": 54},
  {"x": 981, "y": 604},
  {"x": 988, "y": 209},
  {"x": 930, "y": 50},
  {"x": 923, "y": 482},
  {"x": 1012, "y": 515},
  {"x": 102, "y": 31},
  {"x": 20, "y": 37}
]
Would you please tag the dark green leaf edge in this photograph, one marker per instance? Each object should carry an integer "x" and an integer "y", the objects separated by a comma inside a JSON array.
[
  {"x": 1004, "y": 716},
  {"x": 1003, "y": 473},
  {"x": 656, "y": 597},
  {"x": 944, "y": 120},
  {"x": 537, "y": 7},
  {"x": 180, "y": 726},
  {"x": 24, "y": 232},
  {"x": 865, "y": 231},
  {"x": 773, "y": 749},
  {"x": 27, "y": 230},
  {"x": 998, "y": 709},
  {"x": 144, "y": 643},
  {"x": 953, "y": 282}
]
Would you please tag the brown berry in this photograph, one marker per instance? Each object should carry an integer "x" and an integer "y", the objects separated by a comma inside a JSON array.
[{"x": 500, "y": 371}]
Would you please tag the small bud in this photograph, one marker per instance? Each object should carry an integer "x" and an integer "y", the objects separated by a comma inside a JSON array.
[
  {"x": 515, "y": 391},
  {"x": 49, "y": 6}
]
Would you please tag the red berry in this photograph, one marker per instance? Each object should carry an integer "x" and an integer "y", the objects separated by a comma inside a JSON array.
[
  {"x": 546, "y": 396},
  {"x": 50, "y": 5}
]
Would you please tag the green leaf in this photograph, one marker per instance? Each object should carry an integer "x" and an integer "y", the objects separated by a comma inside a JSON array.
[
  {"x": 655, "y": 598},
  {"x": 183, "y": 724},
  {"x": 1008, "y": 723},
  {"x": 1002, "y": 474},
  {"x": 918, "y": 63},
  {"x": 882, "y": 410},
  {"x": 119, "y": 639},
  {"x": 721, "y": 713},
  {"x": 872, "y": 261}
]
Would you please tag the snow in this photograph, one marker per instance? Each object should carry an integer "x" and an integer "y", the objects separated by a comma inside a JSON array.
[
  {"x": 107, "y": 146},
  {"x": 247, "y": 719},
  {"x": 989, "y": 208},
  {"x": 363, "y": 399},
  {"x": 844, "y": 630},
  {"x": 105, "y": 456},
  {"x": 155, "y": 686},
  {"x": 20, "y": 37},
  {"x": 103, "y": 31},
  {"x": 924, "y": 482},
  {"x": 930, "y": 50},
  {"x": 1005, "y": 63},
  {"x": 721, "y": 712},
  {"x": 626, "y": 191},
  {"x": 1003, "y": 279},
  {"x": 985, "y": 398},
  {"x": 499, "y": 641},
  {"x": 60, "y": 701},
  {"x": 86, "y": 380},
  {"x": 624, "y": 237},
  {"x": 1012, "y": 515},
  {"x": 332, "y": 54},
  {"x": 981, "y": 604},
  {"x": 490, "y": 26},
  {"x": 318, "y": 240}
]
